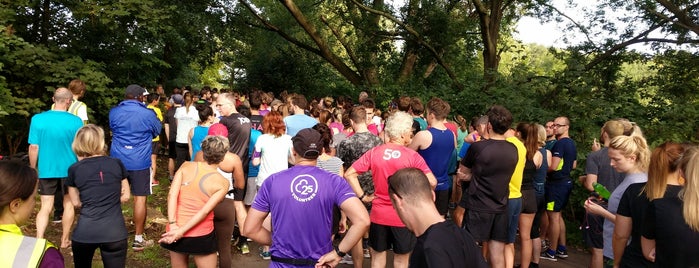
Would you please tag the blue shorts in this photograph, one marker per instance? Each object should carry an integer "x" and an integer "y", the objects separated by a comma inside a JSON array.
[
  {"x": 514, "y": 208},
  {"x": 557, "y": 194},
  {"x": 139, "y": 180}
]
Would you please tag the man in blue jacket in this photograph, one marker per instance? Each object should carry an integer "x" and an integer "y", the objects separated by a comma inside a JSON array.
[{"x": 133, "y": 127}]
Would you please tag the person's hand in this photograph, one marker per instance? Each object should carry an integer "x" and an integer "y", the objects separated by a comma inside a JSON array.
[
  {"x": 171, "y": 236},
  {"x": 595, "y": 145},
  {"x": 652, "y": 255},
  {"x": 330, "y": 259},
  {"x": 66, "y": 243},
  {"x": 368, "y": 198},
  {"x": 592, "y": 207},
  {"x": 342, "y": 228}
]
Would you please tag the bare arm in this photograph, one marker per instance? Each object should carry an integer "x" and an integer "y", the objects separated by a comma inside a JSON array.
[
  {"x": 189, "y": 140},
  {"x": 74, "y": 196},
  {"x": 125, "y": 191},
  {"x": 33, "y": 155},
  {"x": 360, "y": 225},
  {"x": 253, "y": 227},
  {"x": 167, "y": 132},
  {"x": 432, "y": 179},
  {"x": 351, "y": 178},
  {"x": 648, "y": 246},
  {"x": 463, "y": 173},
  {"x": 622, "y": 231},
  {"x": 420, "y": 141},
  {"x": 596, "y": 209},
  {"x": 589, "y": 180}
]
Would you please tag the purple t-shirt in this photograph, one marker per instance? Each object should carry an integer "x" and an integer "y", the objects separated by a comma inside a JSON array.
[{"x": 301, "y": 200}]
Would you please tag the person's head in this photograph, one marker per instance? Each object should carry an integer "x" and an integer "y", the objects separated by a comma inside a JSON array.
[
  {"x": 461, "y": 121},
  {"x": 273, "y": 124},
  {"x": 256, "y": 97},
  {"x": 160, "y": 90},
  {"x": 226, "y": 104},
  {"x": 617, "y": 127},
  {"x": 403, "y": 104},
  {"x": 689, "y": 164},
  {"x": 152, "y": 99},
  {"x": 89, "y": 141},
  {"x": 205, "y": 93},
  {"x": 528, "y": 134},
  {"x": 358, "y": 115},
  {"x": 399, "y": 126},
  {"x": 299, "y": 103},
  {"x": 218, "y": 129},
  {"x": 499, "y": 119},
  {"x": 188, "y": 100},
  {"x": 629, "y": 154},
  {"x": 326, "y": 136},
  {"x": 408, "y": 189},
  {"x": 205, "y": 113},
  {"x": 561, "y": 125},
  {"x": 62, "y": 98},
  {"x": 337, "y": 114},
  {"x": 328, "y": 102},
  {"x": 416, "y": 106},
  {"x": 308, "y": 144},
  {"x": 362, "y": 96},
  {"x": 664, "y": 162},
  {"x": 177, "y": 99},
  {"x": 214, "y": 149},
  {"x": 541, "y": 135},
  {"x": 369, "y": 106},
  {"x": 275, "y": 104},
  {"x": 437, "y": 108},
  {"x": 324, "y": 116},
  {"x": 549, "y": 130},
  {"x": 244, "y": 110},
  {"x": 77, "y": 87},
  {"x": 18, "y": 184},
  {"x": 135, "y": 92}
]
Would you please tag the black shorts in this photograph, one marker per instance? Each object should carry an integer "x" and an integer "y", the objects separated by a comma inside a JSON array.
[
  {"x": 536, "y": 225},
  {"x": 139, "y": 180},
  {"x": 529, "y": 201},
  {"x": 51, "y": 185},
  {"x": 557, "y": 194},
  {"x": 592, "y": 231},
  {"x": 485, "y": 226},
  {"x": 383, "y": 237},
  {"x": 171, "y": 151},
  {"x": 155, "y": 147},
  {"x": 441, "y": 201},
  {"x": 199, "y": 245}
]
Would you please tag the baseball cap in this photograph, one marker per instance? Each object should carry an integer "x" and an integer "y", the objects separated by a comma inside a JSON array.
[
  {"x": 136, "y": 91},
  {"x": 218, "y": 129},
  {"x": 178, "y": 99},
  {"x": 307, "y": 143}
]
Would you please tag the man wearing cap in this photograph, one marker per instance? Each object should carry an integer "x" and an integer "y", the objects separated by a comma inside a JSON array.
[
  {"x": 301, "y": 201},
  {"x": 133, "y": 127}
]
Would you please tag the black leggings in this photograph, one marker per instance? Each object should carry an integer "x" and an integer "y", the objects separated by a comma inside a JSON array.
[
  {"x": 224, "y": 222},
  {"x": 182, "y": 151},
  {"x": 113, "y": 254}
]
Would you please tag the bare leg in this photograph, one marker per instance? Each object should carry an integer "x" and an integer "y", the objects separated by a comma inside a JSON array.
[
  {"x": 554, "y": 228},
  {"x": 68, "y": 217},
  {"x": 42, "y": 218},
  {"x": 358, "y": 255},
  {"x": 378, "y": 259},
  {"x": 597, "y": 258},
  {"x": 562, "y": 234},
  {"x": 153, "y": 167},
  {"x": 509, "y": 254},
  {"x": 536, "y": 250},
  {"x": 544, "y": 226},
  {"x": 171, "y": 167},
  {"x": 525, "y": 227},
  {"x": 179, "y": 260},
  {"x": 401, "y": 260},
  {"x": 205, "y": 261},
  {"x": 459, "y": 215},
  {"x": 139, "y": 213},
  {"x": 497, "y": 259}
]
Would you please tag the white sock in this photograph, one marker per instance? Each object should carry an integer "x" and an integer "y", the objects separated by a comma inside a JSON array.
[{"x": 139, "y": 238}]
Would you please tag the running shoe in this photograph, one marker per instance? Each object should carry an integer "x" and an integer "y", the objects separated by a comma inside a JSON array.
[
  {"x": 141, "y": 245},
  {"x": 547, "y": 255},
  {"x": 57, "y": 218},
  {"x": 562, "y": 253},
  {"x": 265, "y": 254},
  {"x": 244, "y": 248},
  {"x": 366, "y": 253},
  {"x": 347, "y": 259}
]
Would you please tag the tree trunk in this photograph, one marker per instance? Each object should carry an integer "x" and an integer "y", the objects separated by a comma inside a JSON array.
[{"x": 489, "y": 20}]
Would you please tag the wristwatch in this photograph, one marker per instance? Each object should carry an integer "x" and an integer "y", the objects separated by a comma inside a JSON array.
[{"x": 339, "y": 253}]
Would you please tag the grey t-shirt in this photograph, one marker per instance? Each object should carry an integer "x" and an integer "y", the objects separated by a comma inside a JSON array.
[{"x": 598, "y": 164}]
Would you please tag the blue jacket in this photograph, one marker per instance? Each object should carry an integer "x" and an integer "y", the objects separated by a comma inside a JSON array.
[{"x": 133, "y": 128}]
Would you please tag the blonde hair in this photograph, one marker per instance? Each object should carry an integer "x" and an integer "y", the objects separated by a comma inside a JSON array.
[
  {"x": 398, "y": 124},
  {"x": 664, "y": 162},
  {"x": 541, "y": 133},
  {"x": 633, "y": 145},
  {"x": 214, "y": 148},
  {"x": 690, "y": 193},
  {"x": 621, "y": 127},
  {"x": 89, "y": 141}
]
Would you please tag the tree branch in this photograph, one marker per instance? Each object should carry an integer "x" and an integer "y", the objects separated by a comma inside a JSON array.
[
  {"x": 342, "y": 41},
  {"x": 683, "y": 19}
]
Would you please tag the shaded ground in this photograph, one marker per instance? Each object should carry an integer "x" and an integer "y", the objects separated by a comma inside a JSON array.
[{"x": 158, "y": 257}]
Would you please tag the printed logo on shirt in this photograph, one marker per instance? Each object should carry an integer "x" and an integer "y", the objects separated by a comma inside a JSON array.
[{"x": 304, "y": 188}]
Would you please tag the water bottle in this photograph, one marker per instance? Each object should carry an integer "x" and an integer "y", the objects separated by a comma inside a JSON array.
[{"x": 601, "y": 190}]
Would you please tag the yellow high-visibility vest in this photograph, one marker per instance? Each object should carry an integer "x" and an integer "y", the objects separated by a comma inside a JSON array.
[{"x": 20, "y": 251}]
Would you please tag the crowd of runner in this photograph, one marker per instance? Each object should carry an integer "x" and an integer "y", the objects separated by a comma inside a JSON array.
[{"x": 331, "y": 181}]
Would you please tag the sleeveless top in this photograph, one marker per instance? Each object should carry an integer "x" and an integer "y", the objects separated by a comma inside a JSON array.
[
  {"x": 528, "y": 175},
  {"x": 198, "y": 135},
  {"x": 540, "y": 176},
  {"x": 191, "y": 199},
  {"x": 438, "y": 154}
]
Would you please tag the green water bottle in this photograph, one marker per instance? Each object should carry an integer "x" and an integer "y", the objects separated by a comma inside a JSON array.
[{"x": 601, "y": 190}]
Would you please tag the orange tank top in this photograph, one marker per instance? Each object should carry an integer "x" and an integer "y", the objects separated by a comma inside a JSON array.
[{"x": 191, "y": 199}]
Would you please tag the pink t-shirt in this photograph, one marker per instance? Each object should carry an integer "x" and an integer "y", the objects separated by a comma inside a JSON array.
[{"x": 383, "y": 161}]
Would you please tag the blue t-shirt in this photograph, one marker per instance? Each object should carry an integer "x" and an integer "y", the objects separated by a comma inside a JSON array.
[
  {"x": 565, "y": 150},
  {"x": 198, "y": 136},
  {"x": 53, "y": 131},
  {"x": 301, "y": 200},
  {"x": 297, "y": 122}
]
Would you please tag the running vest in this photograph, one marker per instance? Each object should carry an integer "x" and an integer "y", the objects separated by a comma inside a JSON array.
[
  {"x": 438, "y": 154},
  {"x": 73, "y": 109},
  {"x": 19, "y": 250},
  {"x": 191, "y": 199}
]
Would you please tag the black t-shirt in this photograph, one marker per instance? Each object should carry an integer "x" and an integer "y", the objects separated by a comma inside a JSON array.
[
  {"x": 238, "y": 136},
  {"x": 98, "y": 180},
  {"x": 675, "y": 243},
  {"x": 445, "y": 245},
  {"x": 633, "y": 205},
  {"x": 172, "y": 123},
  {"x": 492, "y": 163},
  {"x": 256, "y": 121}
]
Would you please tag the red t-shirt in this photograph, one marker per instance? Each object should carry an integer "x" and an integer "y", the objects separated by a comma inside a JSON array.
[{"x": 383, "y": 161}]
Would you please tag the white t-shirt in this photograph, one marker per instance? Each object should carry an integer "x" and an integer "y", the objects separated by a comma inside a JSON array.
[
  {"x": 274, "y": 155},
  {"x": 185, "y": 122}
]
